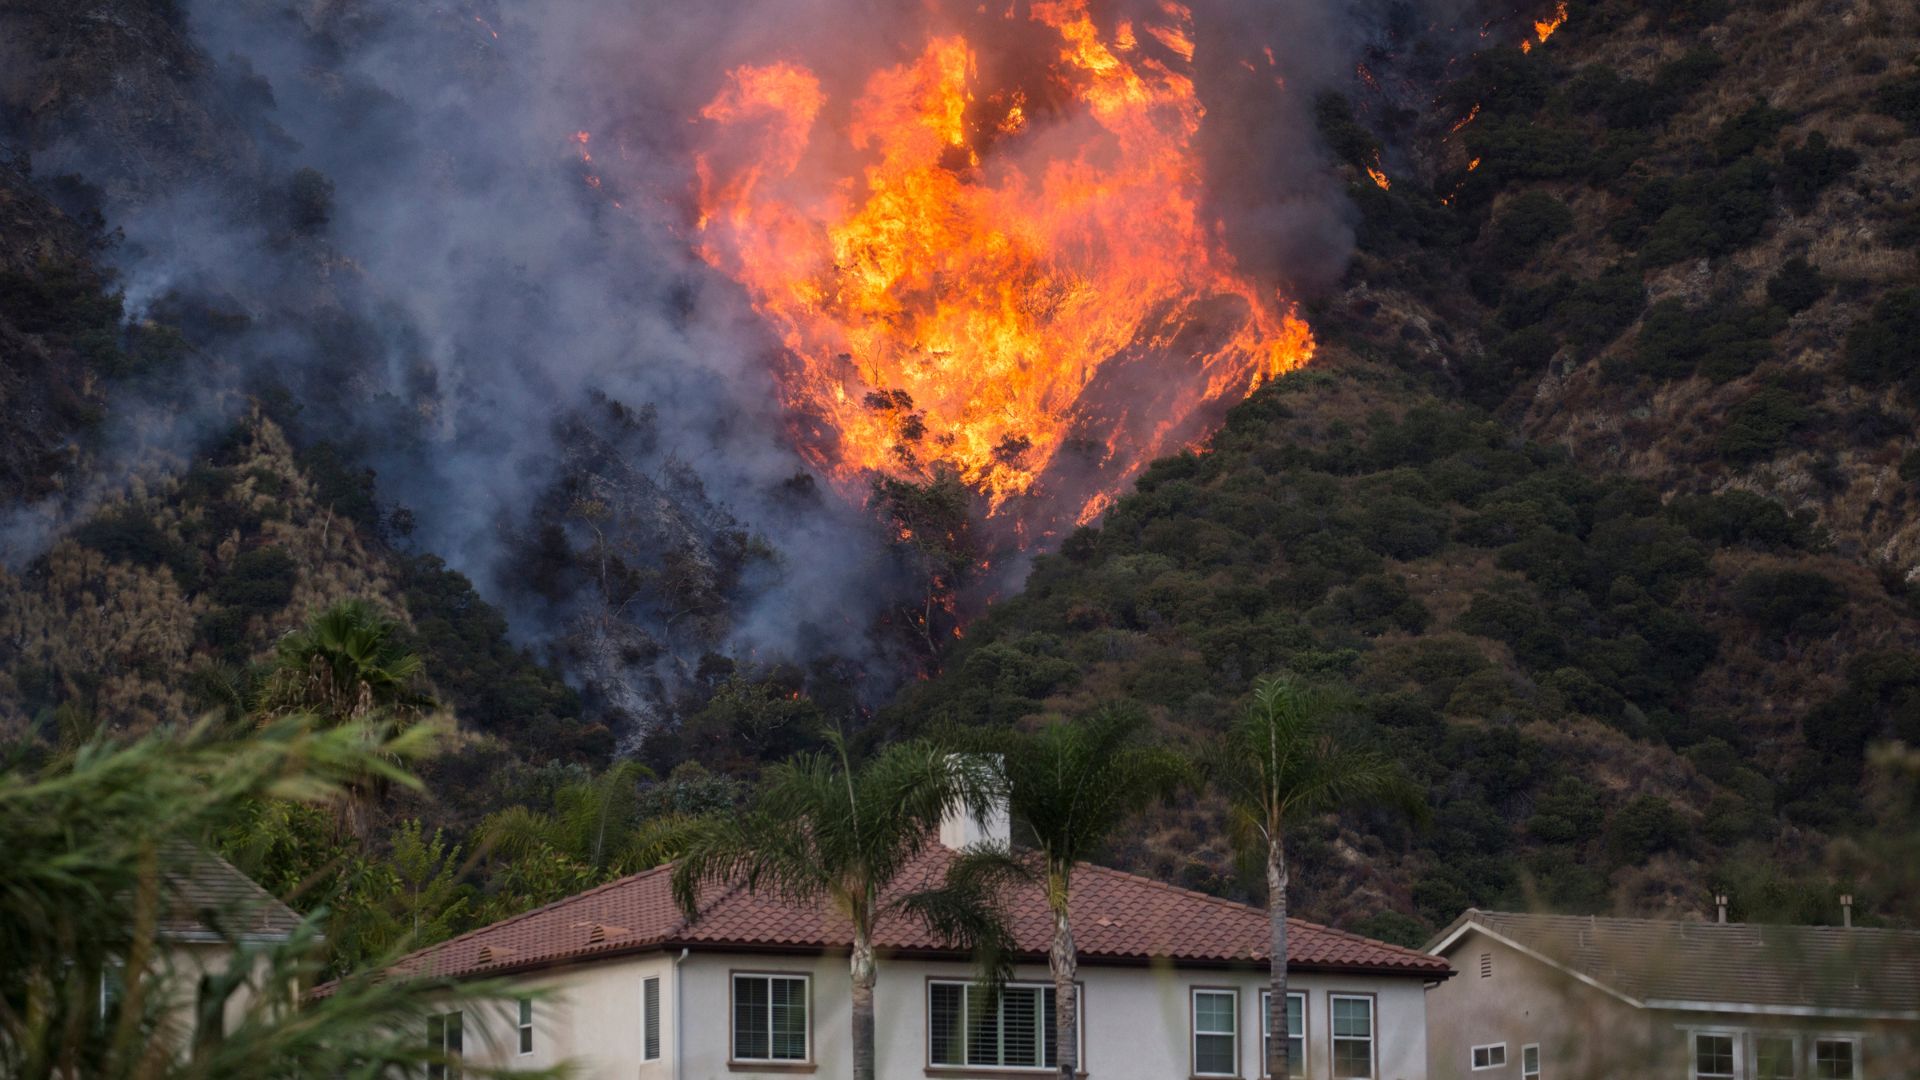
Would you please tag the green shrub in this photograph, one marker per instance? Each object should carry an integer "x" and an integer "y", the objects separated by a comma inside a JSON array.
[
  {"x": 1881, "y": 348},
  {"x": 1742, "y": 517},
  {"x": 1806, "y": 170},
  {"x": 1787, "y": 602},
  {"x": 134, "y": 538},
  {"x": 1528, "y": 223},
  {"x": 1644, "y": 827},
  {"x": 1742, "y": 134},
  {"x": 1796, "y": 286},
  {"x": 59, "y": 297},
  {"x": 1721, "y": 343},
  {"x": 1900, "y": 99},
  {"x": 1759, "y": 427},
  {"x": 260, "y": 581},
  {"x": 1344, "y": 135}
]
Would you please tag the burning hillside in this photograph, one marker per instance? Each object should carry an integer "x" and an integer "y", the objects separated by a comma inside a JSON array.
[{"x": 993, "y": 256}]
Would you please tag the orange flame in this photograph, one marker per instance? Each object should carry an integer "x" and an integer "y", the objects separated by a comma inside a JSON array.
[
  {"x": 1378, "y": 175},
  {"x": 1030, "y": 298},
  {"x": 1544, "y": 28}
]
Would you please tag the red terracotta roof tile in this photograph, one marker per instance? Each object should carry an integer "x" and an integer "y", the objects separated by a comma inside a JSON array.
[{"x": 1118, "y": 917}]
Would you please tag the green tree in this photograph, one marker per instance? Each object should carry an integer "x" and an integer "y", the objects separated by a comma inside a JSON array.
[
  {"x": 596, "y": 831},
  {"x": 1071, "y": 784},
  {"x": 95, "y": 840},
  {"x": 1282, "y": 760},
  {"x": 347, "y": 668},
  {"x": 827, "y": 829}
]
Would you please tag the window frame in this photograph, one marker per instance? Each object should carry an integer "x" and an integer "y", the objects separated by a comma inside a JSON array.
[
  {"x": 1734, "y": 1038},
  {"x": 733, "y": 1019},
  {"x": 1473, "y": 1056},
  {"x": 1373, "y": 1033},
  {"x": 1534, "y": 1049},
  {"x": 1813, "y": 1053},
  {"x": 523, "y": 1026},
  {"x": 1194, "y": 1032},
  {"x": 1306, "y": 1025},
  {"x": 1044, "y": 986}
]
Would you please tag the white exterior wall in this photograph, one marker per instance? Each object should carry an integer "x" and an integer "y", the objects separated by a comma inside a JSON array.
[{"x": 1136, "y": 1020}]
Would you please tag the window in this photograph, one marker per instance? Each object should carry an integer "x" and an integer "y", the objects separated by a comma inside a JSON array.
[
  {"x": 770, "y": 1018},
  {"x": 443, "y": 1038},
  {"x": 967, "y": 1027},
  {"x": 1776, "y": 1057},
  {"x": 1530, "y": 1062},
  {"x": 1713, "y": 1056},
  {"x": 650, "y": 1019},
  {"x": 1490, "y": 1057},
  {"x": 1216, "y": 1039},
  {"x": 525, "y": 1026},
  {"x": 1296, "y": 1033},
  {"x": 1352, "y": 1036},
  {"x": 1836, "y": 1059}
]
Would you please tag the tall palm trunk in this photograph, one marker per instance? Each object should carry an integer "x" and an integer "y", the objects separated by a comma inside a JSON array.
[
  {"x": 1277, "y": 1064},
  {"x": 1065, "y": 962},
  {"x": 863, "y": 979}
]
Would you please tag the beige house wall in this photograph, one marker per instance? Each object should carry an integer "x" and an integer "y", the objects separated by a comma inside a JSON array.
[
  {"x": 1582, "y": 1032},
  {"x": 1136, "y": 1019},
  {"x": 1585, "y": 1033}
]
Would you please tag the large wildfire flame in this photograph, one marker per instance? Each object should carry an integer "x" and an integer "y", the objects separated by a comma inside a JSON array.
[{"x": 1009, "y": 274}]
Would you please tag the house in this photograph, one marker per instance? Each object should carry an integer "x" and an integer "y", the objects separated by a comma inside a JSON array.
[
  {"x": 1171, "y": 987},
  {"x": 211, "y": 912},
  {"x": 1558, "y": 996}
]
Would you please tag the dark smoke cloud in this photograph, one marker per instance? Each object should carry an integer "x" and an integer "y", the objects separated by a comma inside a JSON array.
[{"x": 473, "y": 289}]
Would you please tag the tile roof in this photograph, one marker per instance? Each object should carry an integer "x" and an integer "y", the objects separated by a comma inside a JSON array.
[
  {"x": 207, "y": 897},
  {"x": 1118, "y": 918},
  {"x": 1746, "y": 966}
]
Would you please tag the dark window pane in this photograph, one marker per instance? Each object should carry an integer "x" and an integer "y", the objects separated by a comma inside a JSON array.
[
  {"x": 789, "y": 1001},
  {"x": 946, "y": 1008},
  {"x": 1213, "y": 1055},
  {"x": 750, "y": 1032},
  {"x": 650, "y": 1019}
]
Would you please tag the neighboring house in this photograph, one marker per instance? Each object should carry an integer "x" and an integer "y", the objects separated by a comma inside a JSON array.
[
  {"x": 1558, "y": 996},
  {"x": 1171, "y": 984},
  {"x": 210, "y": 912}
]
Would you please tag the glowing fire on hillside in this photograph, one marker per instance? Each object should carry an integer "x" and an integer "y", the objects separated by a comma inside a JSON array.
[{"x": 1001, "y": 267}]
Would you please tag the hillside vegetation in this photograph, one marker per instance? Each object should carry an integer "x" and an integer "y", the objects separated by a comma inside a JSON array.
[{"x": 1599, "y": 496}]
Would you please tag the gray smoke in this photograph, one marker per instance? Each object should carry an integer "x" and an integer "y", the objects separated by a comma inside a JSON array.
[{"x": 480, "y": 281}]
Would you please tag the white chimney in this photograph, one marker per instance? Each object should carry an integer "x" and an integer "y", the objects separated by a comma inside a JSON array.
[
  {"x": 1720, "y": 901},
  {"x": 1846, "y": 910},
  {"x": 960, "y": 829}
]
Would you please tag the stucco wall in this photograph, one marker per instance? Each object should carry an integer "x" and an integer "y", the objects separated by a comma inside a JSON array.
[
  {"x": 1582, "y": 1032},
  {"x": 1586, "y": 1034},
  {"x": 1136, "y": 1018}
]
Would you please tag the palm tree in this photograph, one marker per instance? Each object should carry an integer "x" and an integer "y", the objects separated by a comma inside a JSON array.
[
  {"x": 1071, "y": 784},
  {"x": 347, "y": 668},
  {"x": 827, "y": 829},
  {"x": 346, "y": 664},
  {"x": 1280, "y": 760}
]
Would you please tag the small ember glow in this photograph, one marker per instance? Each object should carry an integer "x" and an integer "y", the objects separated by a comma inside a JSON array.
[{"x": 1028, "y": 295}]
